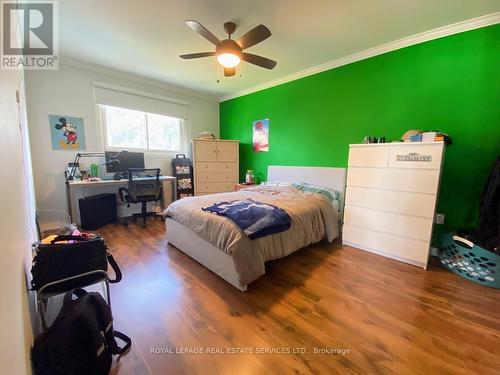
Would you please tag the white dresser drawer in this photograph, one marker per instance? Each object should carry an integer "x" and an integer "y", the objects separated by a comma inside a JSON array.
[
  {"x": 415, "y": 204},
  {"x": 416, "y": 156},
  {"x": 418, "y": 181},
  {"x": 405, "y": 249},
  {"x": 218, "y": 177},
  {"x": 418, "y": 228},
  {"x": 216, "y": 167},
  {"x": 213, "y": 187},
  {"x": 369, "y": 156}
]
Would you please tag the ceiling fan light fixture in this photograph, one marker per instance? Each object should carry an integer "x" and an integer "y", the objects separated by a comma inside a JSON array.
[
  {"x": 229, "y": 52},
  {"x": 228, "y": 60}
]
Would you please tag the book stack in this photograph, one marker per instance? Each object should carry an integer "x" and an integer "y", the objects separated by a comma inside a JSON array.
[
  {"x": 428, "y": 136},
  {"x": 439, "y": 138},
  {"x": 206, "y": 135}
]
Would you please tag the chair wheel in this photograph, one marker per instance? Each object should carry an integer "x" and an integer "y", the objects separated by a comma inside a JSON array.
[
  {"x": 125, "y": 224},
  {"x": 134, "y": 220}
]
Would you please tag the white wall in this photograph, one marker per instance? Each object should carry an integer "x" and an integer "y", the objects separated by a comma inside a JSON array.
[
  {"x": 17, "y": 226},
  {"x": 69, "y": 91}
]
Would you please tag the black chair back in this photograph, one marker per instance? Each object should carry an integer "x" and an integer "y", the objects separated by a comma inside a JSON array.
[{"x": 144, "y": 183}]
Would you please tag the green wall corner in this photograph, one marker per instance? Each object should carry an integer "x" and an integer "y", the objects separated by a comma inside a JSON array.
[{"x": 451, "y": 84}]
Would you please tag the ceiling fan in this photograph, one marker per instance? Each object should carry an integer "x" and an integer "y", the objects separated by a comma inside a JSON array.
[{"x": 229, "y": 52}]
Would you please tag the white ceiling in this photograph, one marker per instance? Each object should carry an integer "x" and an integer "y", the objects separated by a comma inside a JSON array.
[{"x": 147, "y": 37}]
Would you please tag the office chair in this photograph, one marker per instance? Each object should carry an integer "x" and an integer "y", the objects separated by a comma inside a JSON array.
[{"x": 143, "y": 187}]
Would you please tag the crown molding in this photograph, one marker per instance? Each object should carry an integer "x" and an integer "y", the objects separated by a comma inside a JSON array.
[{"x": 440, "y": 32}]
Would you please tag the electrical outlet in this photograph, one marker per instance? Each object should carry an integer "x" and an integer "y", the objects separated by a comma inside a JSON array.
[{"x": 439, "y": 219}]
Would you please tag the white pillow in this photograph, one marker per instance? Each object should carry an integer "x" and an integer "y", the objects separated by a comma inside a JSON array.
[{"x": 276, "y": 183}]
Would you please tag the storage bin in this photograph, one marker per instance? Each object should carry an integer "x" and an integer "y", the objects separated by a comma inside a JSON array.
[{"x": 470, "y": 261}]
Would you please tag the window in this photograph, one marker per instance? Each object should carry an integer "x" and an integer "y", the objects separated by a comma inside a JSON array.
[{"x": 129, "y": 129}]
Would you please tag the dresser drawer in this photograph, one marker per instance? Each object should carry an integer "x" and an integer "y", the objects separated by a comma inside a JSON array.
[
  {"x": 392, "y": 201},
  {"x": 405, "y": 249},
  {"x": 205, "y": 150},
  {"x": 369, "y": 156},
  {"x": 216, "y": 167},
  {"x": 214, "y": 187},
  {"x": 418, "y": 228},
  {"x": 418, "y": 181},
  {"x": 217, "y": 176}
]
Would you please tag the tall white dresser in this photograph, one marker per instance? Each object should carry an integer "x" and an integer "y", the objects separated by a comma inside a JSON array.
[
  {"x": 391, "y": 196},
  {"x": 216, "y": 165}
]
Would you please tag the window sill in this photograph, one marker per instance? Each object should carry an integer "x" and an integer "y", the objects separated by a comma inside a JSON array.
[{"x": 150, "y": 153}]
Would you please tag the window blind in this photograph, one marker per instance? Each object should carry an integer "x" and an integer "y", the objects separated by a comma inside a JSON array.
[{"x": 116, "y": 97}]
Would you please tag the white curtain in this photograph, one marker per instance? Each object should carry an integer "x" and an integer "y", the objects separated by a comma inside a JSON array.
[{"x": 135, "y": 100}]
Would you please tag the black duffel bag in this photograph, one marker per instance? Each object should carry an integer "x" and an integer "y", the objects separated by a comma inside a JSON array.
[
  {"x": 63, "y": 261},
  {"x": 81, "y": 340}
]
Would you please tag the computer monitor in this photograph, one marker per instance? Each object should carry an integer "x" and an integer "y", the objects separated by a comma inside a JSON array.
[{"x": 119, "y": 162}]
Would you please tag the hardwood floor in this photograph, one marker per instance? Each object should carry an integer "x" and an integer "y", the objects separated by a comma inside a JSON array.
[{"x": 387, "y": 316}]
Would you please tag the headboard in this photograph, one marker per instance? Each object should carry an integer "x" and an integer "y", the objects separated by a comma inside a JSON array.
[{"x": 334, "y": 178}]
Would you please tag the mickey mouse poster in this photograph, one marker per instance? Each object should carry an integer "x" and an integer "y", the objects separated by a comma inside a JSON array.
[{"x": 67, "y": 132}]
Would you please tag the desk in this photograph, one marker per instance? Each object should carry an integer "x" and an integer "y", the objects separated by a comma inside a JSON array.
[{"x": 78, "y": 189}]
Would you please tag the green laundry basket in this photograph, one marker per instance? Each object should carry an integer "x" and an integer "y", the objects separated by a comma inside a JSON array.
[{"x": 470, "y": 261}]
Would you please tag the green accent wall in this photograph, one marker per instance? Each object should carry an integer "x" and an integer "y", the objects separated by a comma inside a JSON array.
[{"x": 451, "y": 84}]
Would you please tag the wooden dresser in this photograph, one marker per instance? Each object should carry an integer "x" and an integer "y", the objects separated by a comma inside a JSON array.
[
  {"x": 216, "y": 165},
  {"x": 391, "y": 197}
]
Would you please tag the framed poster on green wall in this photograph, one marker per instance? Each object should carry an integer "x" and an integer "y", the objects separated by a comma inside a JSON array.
[{"x": 261, "y": 135}]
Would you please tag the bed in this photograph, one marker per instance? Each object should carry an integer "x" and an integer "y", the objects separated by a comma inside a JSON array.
[{"x": 221, "y": 246}]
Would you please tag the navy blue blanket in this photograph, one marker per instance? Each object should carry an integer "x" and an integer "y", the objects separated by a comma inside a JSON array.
[{"x": 256, "y": 219}]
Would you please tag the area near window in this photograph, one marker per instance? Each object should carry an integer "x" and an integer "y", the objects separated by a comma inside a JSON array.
[
  {"x": 130, "y": 129},
  {"x": 139, "y": 121}
]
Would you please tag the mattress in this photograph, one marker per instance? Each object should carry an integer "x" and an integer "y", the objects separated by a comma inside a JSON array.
[{"x": 313, "y": 218}]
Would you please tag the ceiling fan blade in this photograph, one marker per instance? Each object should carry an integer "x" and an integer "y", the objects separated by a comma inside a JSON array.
[
  {"x": 197, "y": 55},
  {"x": 229, "y": 72},
  {"x": 200, "y": 29},
  {"x": 254, "y": 36},
  {"x": 261, "y": 61}
]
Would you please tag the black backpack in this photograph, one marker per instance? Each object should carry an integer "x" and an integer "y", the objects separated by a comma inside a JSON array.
[{"x": 81, "y": 340}]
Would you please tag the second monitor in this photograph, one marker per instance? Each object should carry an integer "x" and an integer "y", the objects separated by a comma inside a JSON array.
[{"x": 122, "y": 161}]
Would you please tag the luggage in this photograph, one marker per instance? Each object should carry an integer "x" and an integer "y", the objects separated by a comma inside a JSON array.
[
  {"x": 57, "y": 261},
  {"x": 81, "y": 340},
  {"x": 182, "y": 169}
]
